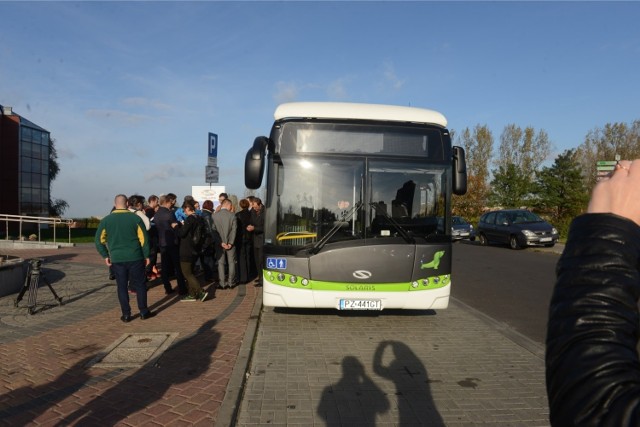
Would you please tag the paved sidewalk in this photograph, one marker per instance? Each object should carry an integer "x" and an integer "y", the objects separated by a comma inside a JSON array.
[
  {"x": 49, "y": 373},
  {"x": 451, "y": 367}
]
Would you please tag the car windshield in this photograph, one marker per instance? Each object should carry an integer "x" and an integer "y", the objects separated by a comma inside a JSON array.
[
  {"x": 457, "y": 220},
  {"x": 520, "y": 217}
]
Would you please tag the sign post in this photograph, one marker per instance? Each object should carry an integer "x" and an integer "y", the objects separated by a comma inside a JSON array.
[
  {"x": 605, "y": 167},
  {"x": 211, "y": 171}
]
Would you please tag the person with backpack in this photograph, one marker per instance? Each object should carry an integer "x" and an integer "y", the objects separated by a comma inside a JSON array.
[
  {"x": 226, "y": 224},
  {"x": 192, "y": 235},
  {"x": 210, "y": 252}
]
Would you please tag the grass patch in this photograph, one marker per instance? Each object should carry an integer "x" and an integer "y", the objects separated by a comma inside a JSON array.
[{"x": 78, "y": 235}]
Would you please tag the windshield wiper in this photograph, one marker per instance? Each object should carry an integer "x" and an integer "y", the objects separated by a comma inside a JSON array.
[
  {"x": 338, "y": 225},
  {"x": 403, "y": 233}
]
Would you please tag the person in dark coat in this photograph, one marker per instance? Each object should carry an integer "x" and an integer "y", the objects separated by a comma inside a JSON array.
[
  {"x": 189, "y": 253},
  {"x": 168, "y": 245},
  {"x": 592, "y": 365},
  {"x": 256, "y": 228},
  {"x": 211, "y": 254},
  {"x": 244, "y": 245}
]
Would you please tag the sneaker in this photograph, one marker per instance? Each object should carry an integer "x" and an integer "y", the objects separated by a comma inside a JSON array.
[
  {"x": 203, "y": 296},
  {"x": 188, "y": 298}
]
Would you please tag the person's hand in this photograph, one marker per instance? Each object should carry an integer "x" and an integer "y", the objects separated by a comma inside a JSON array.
[
  {"x": 250, "y": 227},
  {"x": 147, "y": 261},
  {"x": 107, "y": 261},
  {"x": 619, "y": 193}
]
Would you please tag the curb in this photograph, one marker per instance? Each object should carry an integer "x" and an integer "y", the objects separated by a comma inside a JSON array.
[
  {"x": 228, "y": 413},
  {"x": 535, "y": 348}
]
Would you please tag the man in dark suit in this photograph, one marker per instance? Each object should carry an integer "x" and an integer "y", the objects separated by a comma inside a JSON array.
[
  {"x": 168, "y": 244},
  {"x": 256, "y": 227}
]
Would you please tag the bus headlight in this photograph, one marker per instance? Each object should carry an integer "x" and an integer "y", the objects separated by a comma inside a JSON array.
[
  {"x": 293, "y": 279},
  {"x": 305, "y": 282},
  {"x": 414, "y": 285},
  {"x": 281, "y": 277}
]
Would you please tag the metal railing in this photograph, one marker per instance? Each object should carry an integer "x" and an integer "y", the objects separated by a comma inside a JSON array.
[{"x": 40, "y": 221}]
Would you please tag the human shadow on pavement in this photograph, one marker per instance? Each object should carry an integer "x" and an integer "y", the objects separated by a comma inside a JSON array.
[
  {"x": 354, "y": 400},
  {"x": 413, "y": 391},
  {"x": 22, "y": 405},
  {"x": 182, "y": 362}
]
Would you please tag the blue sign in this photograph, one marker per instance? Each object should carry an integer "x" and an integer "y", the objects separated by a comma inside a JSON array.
[
  {"x": 276, "y": 263},
  {"x": 213, "y": 145}
]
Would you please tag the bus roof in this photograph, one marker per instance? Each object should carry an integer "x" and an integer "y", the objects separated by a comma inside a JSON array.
[{"x": 345, "y": 110}]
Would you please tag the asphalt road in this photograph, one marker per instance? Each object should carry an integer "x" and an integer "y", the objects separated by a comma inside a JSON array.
[{"x": 511, "y": 286}]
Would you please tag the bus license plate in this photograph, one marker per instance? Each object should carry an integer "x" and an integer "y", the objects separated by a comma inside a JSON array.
[{"x": 360, "y": 304}]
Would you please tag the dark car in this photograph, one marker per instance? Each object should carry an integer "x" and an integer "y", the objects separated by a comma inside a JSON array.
[
  {"x": 460, "y": 228},
  {"x": 518, "y": 228}
]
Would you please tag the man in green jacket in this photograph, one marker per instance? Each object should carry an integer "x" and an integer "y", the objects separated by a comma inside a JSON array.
[{"x": 127, "y": 254}]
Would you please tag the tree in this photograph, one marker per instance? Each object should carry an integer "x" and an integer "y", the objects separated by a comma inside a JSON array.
[
  {"x": 523, "y": 148},
  {"x": 560, "y": 189},
  {"x": 478, "y": 146},
  {"x": 510, "y": 188},
  {"x": 520, "y": 156},
  {"x": 604, "y": 144},
  {"x": 56, "y": 206}
]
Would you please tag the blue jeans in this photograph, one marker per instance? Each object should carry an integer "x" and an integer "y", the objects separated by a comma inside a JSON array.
[{"x": 131, "y": 271}]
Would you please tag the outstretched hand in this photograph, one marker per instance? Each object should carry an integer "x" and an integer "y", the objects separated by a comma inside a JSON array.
[{"x": 619, "y": 193}]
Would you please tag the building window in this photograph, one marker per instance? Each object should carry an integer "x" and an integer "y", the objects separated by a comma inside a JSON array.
[{"x": 34, "y": 171}]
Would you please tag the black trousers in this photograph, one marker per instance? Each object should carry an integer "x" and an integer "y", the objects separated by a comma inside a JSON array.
[{"x": 170, "y": 256}]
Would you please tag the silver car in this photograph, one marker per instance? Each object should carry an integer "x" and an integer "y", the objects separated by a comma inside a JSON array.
[
  {"x": 518, "y": 228},
  {"x": 461, "y": 229}
]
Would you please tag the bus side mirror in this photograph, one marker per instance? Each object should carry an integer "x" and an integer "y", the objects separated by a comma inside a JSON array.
[
  {"x": 459, "y": 171},
  {"x": 254, "y": 163}
]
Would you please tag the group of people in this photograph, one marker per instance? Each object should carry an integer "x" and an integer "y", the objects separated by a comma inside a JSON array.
[{"x": 227, "y": 246}]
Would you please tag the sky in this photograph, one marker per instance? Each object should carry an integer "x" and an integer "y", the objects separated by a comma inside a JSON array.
[{"x": 130, "y": 90}]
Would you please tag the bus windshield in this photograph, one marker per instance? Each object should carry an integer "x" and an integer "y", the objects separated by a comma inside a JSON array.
[{"x": 324, "y": 198}]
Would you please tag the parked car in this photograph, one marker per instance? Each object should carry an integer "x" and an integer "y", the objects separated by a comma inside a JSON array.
[
  {"x": 460, "y": 228},
  {"x": 518, "y": 228}
]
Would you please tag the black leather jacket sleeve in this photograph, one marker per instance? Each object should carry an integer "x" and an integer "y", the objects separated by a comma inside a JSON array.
[{"x": 592, "y": 367}]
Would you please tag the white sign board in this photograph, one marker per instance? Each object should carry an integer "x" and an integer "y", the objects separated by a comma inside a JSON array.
[{"x": 206, "y": 192}]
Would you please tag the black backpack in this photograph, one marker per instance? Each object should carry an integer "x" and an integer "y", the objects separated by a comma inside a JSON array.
[{"x": 201, "y": 236}]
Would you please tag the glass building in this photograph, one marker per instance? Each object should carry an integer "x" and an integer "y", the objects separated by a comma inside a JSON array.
[{"x": 24, "y": 166}]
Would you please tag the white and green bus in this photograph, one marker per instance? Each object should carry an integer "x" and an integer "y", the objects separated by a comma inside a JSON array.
[{"x": 354, "y": 194}]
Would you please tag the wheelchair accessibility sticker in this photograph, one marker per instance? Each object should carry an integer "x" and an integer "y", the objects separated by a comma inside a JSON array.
[{"x": 277, "y": 263}]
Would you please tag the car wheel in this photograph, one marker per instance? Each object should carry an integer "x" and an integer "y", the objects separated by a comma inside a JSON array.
[
  {"x": 513, "y": 242},
  {"x": 483, "y": 240}
]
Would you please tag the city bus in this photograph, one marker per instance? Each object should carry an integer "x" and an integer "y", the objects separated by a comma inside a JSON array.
[{"x": 352, "y": 198}]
